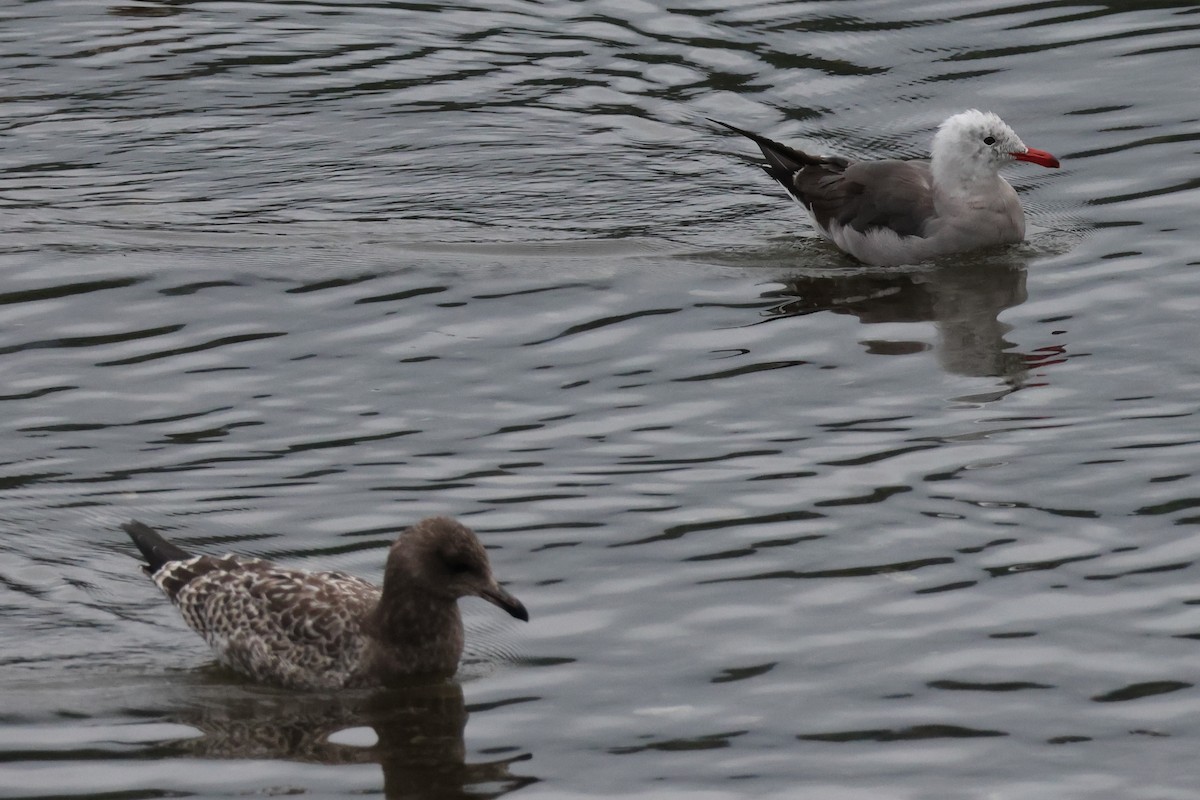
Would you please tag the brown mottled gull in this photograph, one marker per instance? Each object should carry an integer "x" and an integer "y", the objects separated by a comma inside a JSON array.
[{"x": 323, "y": 630}]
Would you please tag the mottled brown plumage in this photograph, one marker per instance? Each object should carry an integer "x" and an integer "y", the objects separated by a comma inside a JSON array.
[{"x": 320, "y": 630}]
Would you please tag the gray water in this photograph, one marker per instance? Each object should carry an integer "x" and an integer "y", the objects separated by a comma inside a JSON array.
[{"x": 282, "y": 278}]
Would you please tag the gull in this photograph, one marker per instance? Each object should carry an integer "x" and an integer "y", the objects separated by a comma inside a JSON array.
[
  {"x": 326, "y": 630},
  {"x": 893, "y": 212}
]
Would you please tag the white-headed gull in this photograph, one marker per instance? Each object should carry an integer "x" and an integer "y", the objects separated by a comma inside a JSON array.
[
  {"x": 902, "y": 212},
  {"x": 326, "y": 630}
]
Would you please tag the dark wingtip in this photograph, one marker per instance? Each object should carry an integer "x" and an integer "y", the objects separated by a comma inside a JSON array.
[
  {"x": 782, "y": 160},
  {"x": 155, "y": 549},
  {"x": 733, "y": 128}
]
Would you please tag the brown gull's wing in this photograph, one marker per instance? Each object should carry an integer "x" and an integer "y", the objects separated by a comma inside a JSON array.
[{"x": 278, "y": 625}]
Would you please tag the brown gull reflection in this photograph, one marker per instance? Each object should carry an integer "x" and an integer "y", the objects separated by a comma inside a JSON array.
[{"x": 417, "y": 731}]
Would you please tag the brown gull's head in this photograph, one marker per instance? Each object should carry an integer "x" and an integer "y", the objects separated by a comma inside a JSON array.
[{"x": 442, "y": 557}]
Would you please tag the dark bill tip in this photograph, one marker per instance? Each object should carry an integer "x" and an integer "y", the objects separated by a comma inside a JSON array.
[{"x": 503, "y": 599}]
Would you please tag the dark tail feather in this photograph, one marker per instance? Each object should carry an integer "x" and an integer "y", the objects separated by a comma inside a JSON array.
[
  {"x": 779, "y": 155},
  {"x": 154, "y": 547},
  {"x": 784, "y": 162}
]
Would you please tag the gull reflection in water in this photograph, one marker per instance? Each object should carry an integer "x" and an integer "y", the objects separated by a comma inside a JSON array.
[
  {"x": 414, "y": 733},
  {"x": 963, "y": 300}
]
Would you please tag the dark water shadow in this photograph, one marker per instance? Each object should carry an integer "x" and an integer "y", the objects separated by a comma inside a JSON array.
[
  {"x": 963, "y": 299},
  {"x": 418, "y": 733}
]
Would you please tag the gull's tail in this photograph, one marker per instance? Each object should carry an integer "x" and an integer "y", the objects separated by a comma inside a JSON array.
[
  {"x": 784, "y": 162},
  {"x": 156, "y": 550}
]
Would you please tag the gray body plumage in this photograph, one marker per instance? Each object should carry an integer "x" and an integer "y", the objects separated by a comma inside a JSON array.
[
  {"x": 321, "y": 630},
  {"x": 892, "y": 212}
]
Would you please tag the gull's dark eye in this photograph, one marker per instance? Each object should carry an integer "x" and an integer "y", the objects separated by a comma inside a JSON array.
[
  {"x": 457, "y": 566},
  {"x": 989, "y": 140}
]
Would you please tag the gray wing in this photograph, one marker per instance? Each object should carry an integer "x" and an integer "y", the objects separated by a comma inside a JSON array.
[
  {"x": 864, "y": 195},
  {"x": 273, "y": 624},
  {"x": 896, "y": 195}
]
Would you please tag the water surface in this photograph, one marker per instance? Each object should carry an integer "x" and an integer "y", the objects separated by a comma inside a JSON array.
[{"x": 284, "y": 278}]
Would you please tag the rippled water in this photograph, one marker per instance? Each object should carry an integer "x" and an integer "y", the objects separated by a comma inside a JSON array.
[{"x": 284, "y": 277}]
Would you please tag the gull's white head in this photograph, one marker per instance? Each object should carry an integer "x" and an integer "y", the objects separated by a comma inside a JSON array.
[{"x": 975, "y": 144}]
